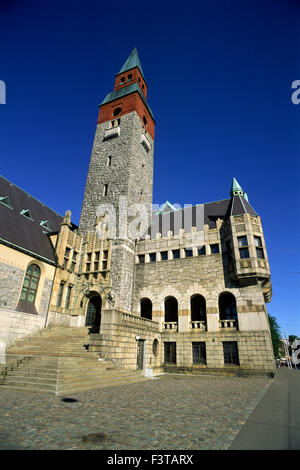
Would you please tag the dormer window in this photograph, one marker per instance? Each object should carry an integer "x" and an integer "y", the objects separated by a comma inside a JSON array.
[
  {"x": 26, "y": 213},
  {"x": 45, "y": 224},
  {"x": 5, "y": 200}
]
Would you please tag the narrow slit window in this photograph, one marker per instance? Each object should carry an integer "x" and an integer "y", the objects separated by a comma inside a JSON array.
[{"x": 105, "y": 189}]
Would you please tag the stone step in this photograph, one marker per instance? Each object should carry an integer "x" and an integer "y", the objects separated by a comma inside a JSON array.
[
  {"x": 28, "y": 378},
  {"x": 24, "y": 384}
]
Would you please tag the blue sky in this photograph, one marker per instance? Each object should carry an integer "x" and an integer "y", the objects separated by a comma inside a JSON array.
[{"x": 219, "y": 76}]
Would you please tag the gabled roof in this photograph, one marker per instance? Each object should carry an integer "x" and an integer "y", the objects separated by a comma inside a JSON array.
[
  {"x": 132, "y": 61},
  {"x": 24, "y": 233}
]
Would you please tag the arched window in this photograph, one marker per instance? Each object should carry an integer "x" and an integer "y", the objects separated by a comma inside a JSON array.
[
  {"x": 146, "y": 308},
  {"x": 198, "y": 308},
  {"x": 227, "y": 306},
  {"x": 30, "y": 284},
  {"x": 171, "y": 309}
]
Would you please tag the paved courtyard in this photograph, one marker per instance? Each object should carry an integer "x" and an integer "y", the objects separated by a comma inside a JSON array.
[{"x": 173, "y": 412}]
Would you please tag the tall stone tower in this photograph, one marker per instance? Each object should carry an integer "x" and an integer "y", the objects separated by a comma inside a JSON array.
[{"x": 121, "y": 170}]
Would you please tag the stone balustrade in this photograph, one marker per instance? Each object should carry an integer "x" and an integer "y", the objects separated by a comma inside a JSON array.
[
  {"x": 171, "y": 325},
  {"x": 228, "y": 324},
  {"x": 139, "y": 321},
  {"x": 198, "y": 325}
]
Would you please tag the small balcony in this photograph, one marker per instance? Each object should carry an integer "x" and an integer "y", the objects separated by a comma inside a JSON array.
[
  {"x": 198, "y": 325},
  {"x": 145, "y": 142},
  {"x": 171, "y": 326},
  {"x": 111, "y": 133},
  {"x": 228, "y": 324}
]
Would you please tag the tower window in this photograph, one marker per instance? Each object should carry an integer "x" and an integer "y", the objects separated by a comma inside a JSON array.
[
  {"x": 144, "y": 121},
  {"x": 201, "y": 250},
  {"x": 244, "y": 251},
  {"x": 141, "y": 259},
  {"x": 129, "y": 77},
  {"x": 215, "y": 248},
  {"x": 257, "y": 241},
  {"x": 188, "y": 253},
  {"x": 105, "y": 189},
  {"x": 122, "y": 80},
  {"x": 117, "y": 111}
]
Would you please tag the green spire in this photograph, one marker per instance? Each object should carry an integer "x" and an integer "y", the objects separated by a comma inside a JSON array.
[
  {"x": 236, "y": 189},
  {"x": 132, "y": 61}
]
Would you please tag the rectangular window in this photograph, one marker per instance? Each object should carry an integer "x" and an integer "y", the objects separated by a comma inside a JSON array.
[
  {"x": 59, "y": 294},
  {"x": 257, "y": 241},
  {"x": 231, "y": 355},
  {"x": 170, "y": 352},
  {"x": 188, "y": 253},
  {"x": 97, "y": 255},
  {"x": 152, "y": 257},
  {"x": 176, "y": 254},
  {"x": 73, "y": 266},
  {"x": 89, "y": 257},
  {"x": 199, "y": 352},
  {"x": 164, "y": 255},
  {"x": 104, "y": 265},
  {"x": 242, "y": 241},
  {"x": 105, "y": 254},
  {"x": 88, "y": 267},
  {"x": 260, "y": 253},
  {"x": 141, "y": 259},
  {"x": 96, "y": 266},
  {"x": 244, "y": 253},
  {"x": 67, "y": 252},
  {"x": 68, "y": 297},
  {"x": 66, "y": 263},
  {"x": 75, "y": 255},
  {"x": 215, "y": 248},
  {"x": 201, "y": 250}
]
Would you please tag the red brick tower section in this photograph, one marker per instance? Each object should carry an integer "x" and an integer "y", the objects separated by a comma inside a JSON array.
[{"x": 129, "y": 94}]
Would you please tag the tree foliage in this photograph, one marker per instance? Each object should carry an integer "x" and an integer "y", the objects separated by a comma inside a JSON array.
[{"x": 275, "y": 335}]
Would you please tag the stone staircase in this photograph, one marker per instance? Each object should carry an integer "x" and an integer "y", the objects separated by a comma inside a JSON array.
[{"x": 57, "y": 360}]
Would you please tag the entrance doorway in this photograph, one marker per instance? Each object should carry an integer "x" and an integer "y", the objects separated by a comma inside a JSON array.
[
  {"x": 140, "y": 354},
  {"x": 93, "y": 315}
]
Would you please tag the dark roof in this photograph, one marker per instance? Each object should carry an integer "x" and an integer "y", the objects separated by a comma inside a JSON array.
[
  {"x": 127, "y": 90},
  {"x": 239, "y": 205},
  {"x": 197, "y": 216},
  {"x": 21, "y": 232}
]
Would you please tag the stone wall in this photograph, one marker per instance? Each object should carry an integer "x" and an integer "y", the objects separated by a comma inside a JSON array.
[
  {"x": 117, "y": 340},
  {"x": 16, "y": 325}
]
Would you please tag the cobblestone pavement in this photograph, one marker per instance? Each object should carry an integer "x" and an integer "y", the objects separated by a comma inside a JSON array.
[{"x": 173, "y": 412}]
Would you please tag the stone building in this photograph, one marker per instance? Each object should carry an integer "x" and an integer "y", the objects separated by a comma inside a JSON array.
[{"x": 175, "y": 289}]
